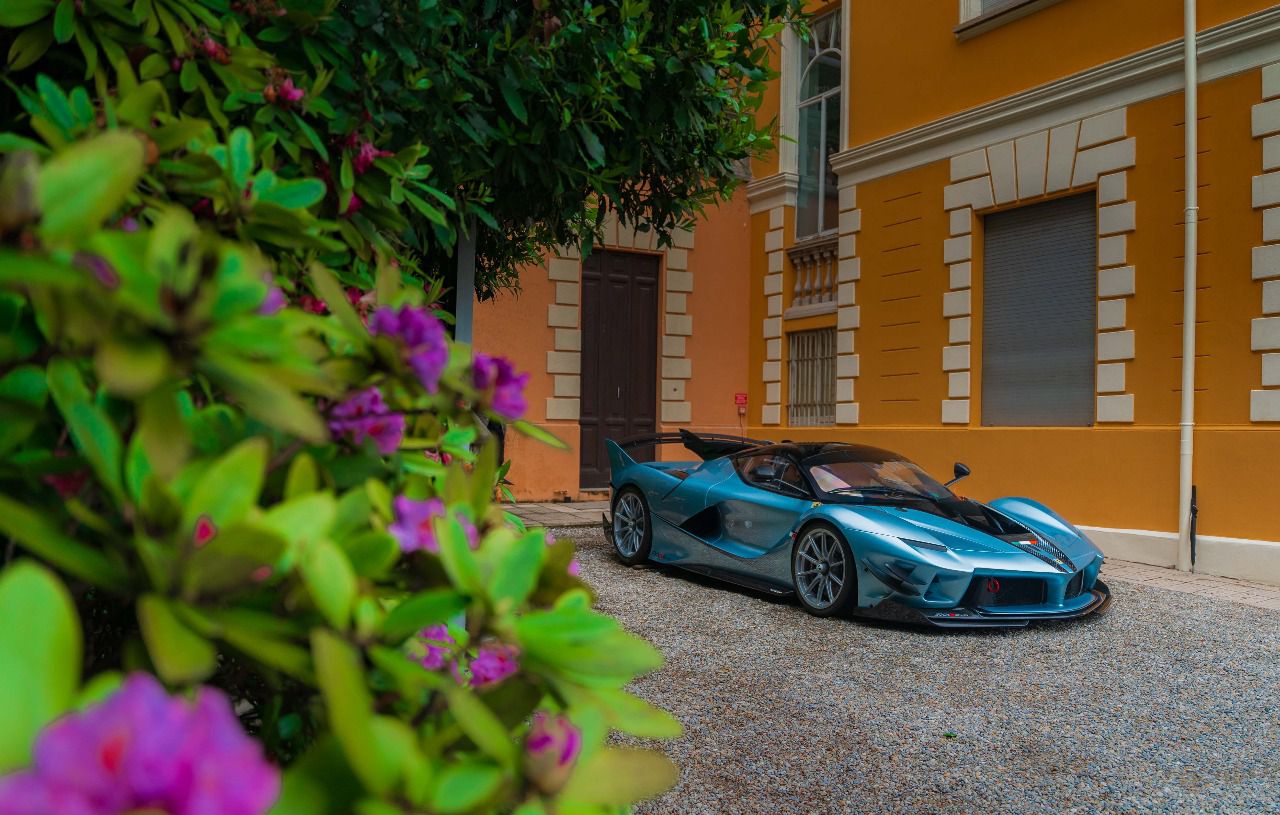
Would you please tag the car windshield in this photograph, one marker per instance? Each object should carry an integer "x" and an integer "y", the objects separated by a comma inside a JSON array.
[{"x": 875, "y": 476}]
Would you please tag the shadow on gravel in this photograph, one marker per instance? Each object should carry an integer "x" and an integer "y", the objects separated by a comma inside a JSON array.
[{"x": 860, "y": 619}]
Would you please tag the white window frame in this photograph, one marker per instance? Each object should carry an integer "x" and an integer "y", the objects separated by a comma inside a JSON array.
[
  {"x": 794, "y": 65},
  {"x": 792, "y": 57}
]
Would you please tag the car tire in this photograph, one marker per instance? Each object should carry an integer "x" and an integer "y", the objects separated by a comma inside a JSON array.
[
  {"x": 823, "y": 570},
  {"x": 632, "y": 526}
]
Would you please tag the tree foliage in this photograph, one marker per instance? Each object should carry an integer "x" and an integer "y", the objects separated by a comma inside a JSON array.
[{"x": 238, "y": 451}]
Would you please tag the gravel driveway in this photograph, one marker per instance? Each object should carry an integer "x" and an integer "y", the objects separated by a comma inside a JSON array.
[{"x": 1169, "y": 703}]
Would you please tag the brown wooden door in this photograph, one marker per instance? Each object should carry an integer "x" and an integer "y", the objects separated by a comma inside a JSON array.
[{"x": 619, "y": 355}]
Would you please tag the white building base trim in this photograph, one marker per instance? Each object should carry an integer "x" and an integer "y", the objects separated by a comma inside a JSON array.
[{"x": 1241, "y": 558}]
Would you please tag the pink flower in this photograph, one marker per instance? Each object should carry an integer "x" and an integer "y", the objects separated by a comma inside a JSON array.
[
  {"x": 439, "y": 645},
  {"x": 99, "y": 267},
  {"x": 551, "y": 748},
  {"x": 142, "y": 750},
  {"x": 273, "y": 302},
  {"x": 414, "y": 526},
  {"x": 493, "y": 663},
  {"x": 353, "y": 205},
  {"x": 366, "y": 416},
  {"x": 426, "y": 347},
  {"x": 500, "y": 387},
  {"x": 289, "y": 92},
  {"x": 312, "y": 305},
  {"x": 574, "y": 567},
  {"x": 366, "y": 155}
]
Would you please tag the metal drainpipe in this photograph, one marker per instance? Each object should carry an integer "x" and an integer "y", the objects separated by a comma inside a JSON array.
[{"x": 1191, "y": 225}]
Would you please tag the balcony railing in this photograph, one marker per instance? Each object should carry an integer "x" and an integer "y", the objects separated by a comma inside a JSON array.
[{"x": 814, "y": 262}]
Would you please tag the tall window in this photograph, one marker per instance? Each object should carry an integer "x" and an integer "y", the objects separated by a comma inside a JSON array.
[
  {"x": 817, "y": 203},
  {"x": 1039, "y": 314}
]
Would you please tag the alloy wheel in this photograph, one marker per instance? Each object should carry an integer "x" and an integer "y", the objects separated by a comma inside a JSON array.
[
  {"x": 628, "y": 524},
  {"x": 821, "y": 568}
]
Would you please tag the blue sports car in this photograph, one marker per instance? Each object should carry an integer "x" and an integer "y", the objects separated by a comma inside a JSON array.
[{"x": 849, "y": 527}]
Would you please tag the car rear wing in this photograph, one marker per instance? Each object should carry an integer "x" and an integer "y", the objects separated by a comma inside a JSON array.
[{"x": 706, "y": 446}]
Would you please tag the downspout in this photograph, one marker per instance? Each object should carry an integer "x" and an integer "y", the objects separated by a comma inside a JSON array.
[{"x": 1187, "y": 424}]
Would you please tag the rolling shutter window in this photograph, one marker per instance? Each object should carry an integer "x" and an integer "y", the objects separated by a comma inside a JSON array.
[{"x": 1039, "y": 314}]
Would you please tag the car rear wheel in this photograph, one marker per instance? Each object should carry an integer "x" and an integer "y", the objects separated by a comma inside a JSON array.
[
  {"x": 632, "y": 531},
  {"x": 823, "y": 570}
]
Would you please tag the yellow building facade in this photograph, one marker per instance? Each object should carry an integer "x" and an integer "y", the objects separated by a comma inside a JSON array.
[{"x": 969, "y": 246}]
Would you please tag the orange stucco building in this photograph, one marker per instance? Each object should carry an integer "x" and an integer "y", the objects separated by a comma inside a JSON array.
[{"x": 969, "y": 246}]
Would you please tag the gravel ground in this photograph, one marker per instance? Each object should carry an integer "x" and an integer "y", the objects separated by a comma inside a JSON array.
[{"x": 1169, "y": 703}]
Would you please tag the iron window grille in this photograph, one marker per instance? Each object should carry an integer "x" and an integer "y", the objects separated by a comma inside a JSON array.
[{"x": 811, "y": 388}]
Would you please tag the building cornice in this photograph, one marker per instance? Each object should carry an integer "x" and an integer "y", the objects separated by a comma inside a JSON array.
[
  {"x": 1240, "y": 45},
  {"x": 772, "y": 191}
]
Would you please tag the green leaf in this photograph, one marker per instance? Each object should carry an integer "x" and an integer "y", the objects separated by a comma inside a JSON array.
[
  {"x": 319, "y": 783},
  {"x": 298, "y": 194},
  {"x": 372, "y": 552},
  {"x": 456, "y": 555},
  {"x": 314, "y": 140},
  {"x": 620, "y": 776},
  {"x": 302, "y": 478},
  {"x": 23, "y": 393},
  {"x": 64, "y": 21},
  {"x": 30, "y": 46},
  {"x": 517, "y": 571},
  {"x": 421, "y": 610},
  {"x": 511, "y": 93},
  {"x": 240, "y": 154},
  {"x": 463, "y": 787},
  {"x": 94, "y": 434},
  {"x": 238, "y": 556},
  {"x": 131, "y": 368},
  {"x": 330, "y": 291},
  {"x": 83, "y": 185},
  {"x": 346, "y": 697},
  {"x": 534, "y": 432},
  {"x": 330, "y": 581},
  {"x": 249, "y": 637},
  {"x": 39, "y": 657},
  {"x": 303, "y": 520},
  {"x": 181, "y": 656},
  {"x": 481, "y": 726},
  {"x": 230, "y": 487},
  {"x": 162, "y": 432},
  {"x": 595, "y": 150},
  {"x": 17, "y": 13}
]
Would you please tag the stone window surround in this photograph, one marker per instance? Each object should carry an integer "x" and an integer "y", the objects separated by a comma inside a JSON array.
[
  {"x": 1077, "y": 156},
  {"x": 847, "y": 313},
  {"x": 1264, "y": 402},
  {"x": 564, "y": 316}
]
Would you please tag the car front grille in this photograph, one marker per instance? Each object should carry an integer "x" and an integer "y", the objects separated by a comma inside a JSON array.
[
  {"x": 1076, "y": 587},
  {"x": 989, "y": 592}
]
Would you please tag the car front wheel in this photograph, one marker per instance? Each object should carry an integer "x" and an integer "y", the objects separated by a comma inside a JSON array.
[{"x": 823, "y": 570}]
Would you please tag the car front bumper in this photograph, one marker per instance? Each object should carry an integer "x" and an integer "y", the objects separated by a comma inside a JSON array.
[{"x": 967, "y": 617}]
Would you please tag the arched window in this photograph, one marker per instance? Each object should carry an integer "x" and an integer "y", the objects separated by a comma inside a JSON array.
[{"x": 817, "y": 201}]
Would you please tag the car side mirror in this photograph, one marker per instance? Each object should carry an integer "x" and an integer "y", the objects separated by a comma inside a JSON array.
[{"x": 960, "y": 470}]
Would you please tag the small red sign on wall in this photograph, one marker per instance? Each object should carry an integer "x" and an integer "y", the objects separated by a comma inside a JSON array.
[{"x": 740, "y": 399}]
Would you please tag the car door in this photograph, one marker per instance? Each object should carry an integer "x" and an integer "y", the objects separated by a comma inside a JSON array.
[{"x": 759, "y": 508}]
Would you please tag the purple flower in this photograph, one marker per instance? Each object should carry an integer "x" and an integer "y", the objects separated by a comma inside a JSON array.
[
  {"x": 142, "y": 750},
  {"x": 439, "y": 643},
  {"x": 98, "y": 266},
  {"x": 500, "y": 387},
  {"x": 493, "y": 663},
  {"x": 289, "y": 92},
  {"x": 273, "y": 302},
  {"x": 365, "y": 416},
  {"x": 551, "y": 748},
  {"x": 426, "y": 347},
  {"x": 414, "y": 524}
]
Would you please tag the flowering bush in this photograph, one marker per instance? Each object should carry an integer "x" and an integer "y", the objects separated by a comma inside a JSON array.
[{"x": 252, "y": 559}]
